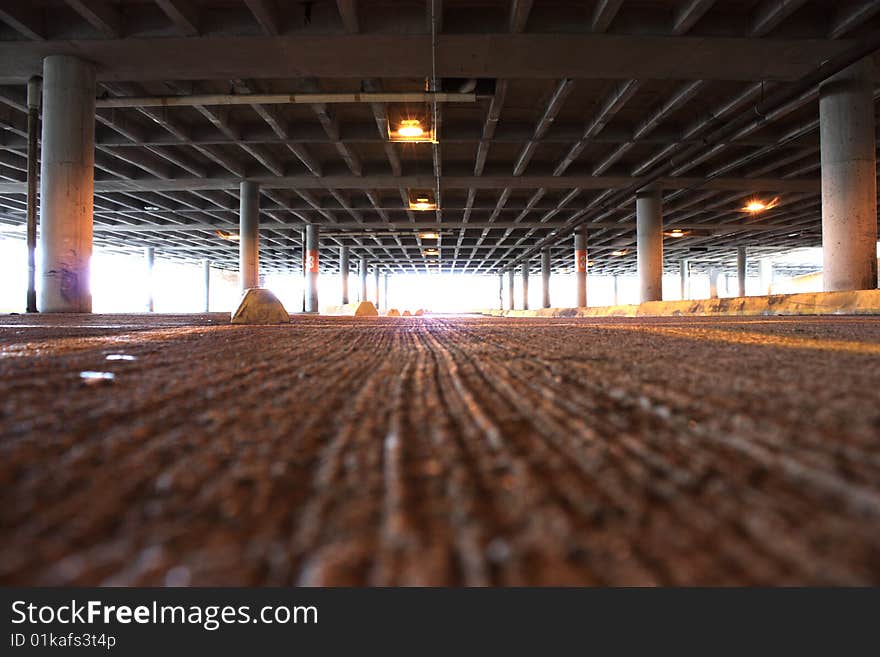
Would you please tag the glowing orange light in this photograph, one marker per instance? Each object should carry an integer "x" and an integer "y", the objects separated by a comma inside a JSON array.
[
  {"x": 410, "y": 129},
  {"x": 232, "y": 237},
  {"x": 753, "y": 206},
  {"x": 429, "y": 236},
  {"x": 620, "y": 252},
  {"x": 422, "y": 203}
]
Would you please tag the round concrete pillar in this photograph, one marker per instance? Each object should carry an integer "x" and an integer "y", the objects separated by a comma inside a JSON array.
[
  {"x": 649, "y": 244},
  {"x": 67, "y": 184},
  {"x": 343, "y": 272},
  {"x": 363, "y": 273},
  {"x": 149, "y": 259},
  {"x": 545, "y": 278},
  {"x": 312, "y": 267},
  {"x": 580, "y": 267},
  {"x": 849, "y": 179},
  {"x": 376, "y": 285},
  {"x": 206, "y": 274},
  {"x": 511, "y": 302},
  {"x": 525, "y": 286},
  {"x": 741, "y": 264},
  {"x": 249, "y": 235},
  {"x": 684, "y": 274},
  {"x": 713, "y": 282}
]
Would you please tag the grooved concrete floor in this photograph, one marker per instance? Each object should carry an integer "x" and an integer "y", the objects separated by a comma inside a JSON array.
[{"x": 440, "y": 451}]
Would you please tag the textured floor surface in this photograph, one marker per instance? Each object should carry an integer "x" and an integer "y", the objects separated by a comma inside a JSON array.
[{"x": 440, "y": 451}]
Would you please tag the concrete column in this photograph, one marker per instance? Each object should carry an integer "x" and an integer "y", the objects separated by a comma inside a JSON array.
[
  {"x": 363, "y": 273},
  {"x": 616, "y": 290},
  {"x": 849, "y": 179},
  {"x": 580, "y": 267},
  {"x": 312, "y": 266},
  {"x": 713, "y": 283},
  {"x": 206, "y": 272},
  {"x": 511, "y": 303},
  {"x": 525, "y": 286},
  {"x": 741, "y": 270},
  {"x": 249, "y": 235},
  {"x": 34, "y": 90},
  {"x": 684, "y": 274},
  {"x": 545, "y": 278},
  {"x": 376, "y": 284},
  {"x": 385, "y": 278},
  {"x": 67, "y": 184},
  {"x": 149, "y": 258},
  {"x": 649, "y": 244},
  {"x": 343, "y": 272},
  {"x": 766, "y": 272}
]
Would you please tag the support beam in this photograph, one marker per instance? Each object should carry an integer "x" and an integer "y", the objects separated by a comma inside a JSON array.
[
  {"x": 649, "y": 244},
  {"x": 343, "y": 272},
  {"x": 249, "y": 235},
  {"x": 580, "y": 267},
  {"x": 266, "y": 14},
  {"x": 545, "y": 278},
  {"x": 348, "y": 11},
  {"x": 33, "y": 105},
  {"x": 24, "y": 20},
  {"x": 206, "y": 274},
  {"x": 741, "y": 270},
  {"x": 101, "y": 15},
  {"x": 604, "y": 13},
  {"x": 312, "y": 268},
  {"x": 67, "y": 184},
  {"x": 149, "y": 259},
  {"x": 849, "y": 179},
  {"x": 525, "y": 286}
]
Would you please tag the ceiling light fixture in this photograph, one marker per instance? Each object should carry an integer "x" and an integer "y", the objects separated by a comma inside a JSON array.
[
  {"x": 429, "y": 236},
  {"x": 676, "y": 232},
  {"x": 756, "y": 205},
  {"x": 226, "y": 235},
  {"x": 422, "y": 201},
  {"x": 620, "y": 252}
]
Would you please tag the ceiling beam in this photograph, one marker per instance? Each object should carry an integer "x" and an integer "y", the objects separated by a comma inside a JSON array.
[
  {"x": 266, "y": 14},
  {"x": 348, "y": 11},
  {"x": 448, "y": 182},
  {"x": 771, "y": 13},
  {"x": 688, "y": 14},
  {"x": 604, "y": 14},
  {"x": 23, "y": 19},
  {"x": 183, "y": 13},
  {"x": 518, "y": 56},
  {"x": 519, "y": 15},
  {"x": 101, "y": 15}
]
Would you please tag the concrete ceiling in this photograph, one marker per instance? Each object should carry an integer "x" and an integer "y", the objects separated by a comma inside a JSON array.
[{"x": 575, "y": 100}]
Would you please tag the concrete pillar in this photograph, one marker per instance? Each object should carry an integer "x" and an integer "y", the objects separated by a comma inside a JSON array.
[
  {"x": 343, "y": 272},
  {"x": 741, "y": 270},
  {"x": 149, "y": 258},
  {"x": 616, "y": 290},
  {"x": 511, "y": 304},
  {"x": 312, "y": 266},
  {"x": 385, "y": 286},
  {"x": 501, "y": 291},
  {"x": 206, "y": 272},
  {"x": 376, "y": 285},
  {"x": 67, "y": 184},
  {"x": 713, "y": 283},
  {"x": 525, "y": 286},
  {"x": 363, "y": 273},
  {"x": 580, "y": 267},
  {"x": 34, "y": 90},
  {"x": 849, "y": 179},
  {"x": 545, "y": 278},
  {"x": 649, "y": 244},
  {"x": 684, "y": 273},
  {"x": 766, "y": 272},
  {"x": 249, "y": 235}
]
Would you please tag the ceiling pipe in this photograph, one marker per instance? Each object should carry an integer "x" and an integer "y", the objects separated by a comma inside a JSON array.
[
  {"x": 283, "y": 99},
  {"x": 863, "y": 48}
]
